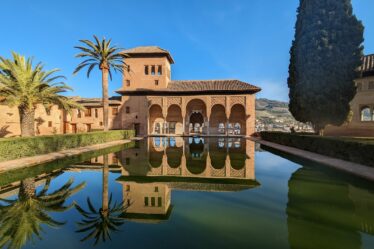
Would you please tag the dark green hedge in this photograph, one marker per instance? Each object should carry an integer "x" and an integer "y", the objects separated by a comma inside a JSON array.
[
  {"x": 57, "y": 166},
  {"x": 13, "y": 148},
  {"x": 355, "y": 150}
]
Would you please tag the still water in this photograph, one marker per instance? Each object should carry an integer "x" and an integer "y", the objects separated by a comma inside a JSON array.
[{"x": 185, "y": 193}]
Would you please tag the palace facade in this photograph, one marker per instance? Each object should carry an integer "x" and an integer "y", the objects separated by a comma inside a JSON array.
[
  {"x": 362, "y": 106},
  {"x": 153, "y": 104}
]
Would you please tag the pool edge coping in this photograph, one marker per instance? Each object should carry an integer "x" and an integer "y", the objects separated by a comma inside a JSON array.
[
  {"x": 26, "y": 162},
  {"x": 356, "y": 169}
]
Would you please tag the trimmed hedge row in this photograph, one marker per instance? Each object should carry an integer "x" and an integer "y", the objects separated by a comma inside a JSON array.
[
  {"x": 13, "y": 148},
  {"x": 10, "y": 176},
  {"x": 354, "y": 150}
]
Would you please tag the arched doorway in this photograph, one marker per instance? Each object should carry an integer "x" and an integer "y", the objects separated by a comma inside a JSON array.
[
  {"x": 237, "y": 120},
  {"x": 196, "y": 116},
  {"x": 156, "y": 120},
  {"x": 174, "y": 120},
  {"x": 218, "y": 120}
]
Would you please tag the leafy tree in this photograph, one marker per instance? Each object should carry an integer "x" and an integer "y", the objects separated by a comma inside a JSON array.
[
  {"x": 24, "y": 86},
  {"x": 21, "y": 219},
  {"x": 325, "y": 55},
  {"x": 106, "y": 57}
]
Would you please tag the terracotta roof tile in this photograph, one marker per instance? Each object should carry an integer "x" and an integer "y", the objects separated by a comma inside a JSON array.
[
  {"x": 149, "y": 50},
  {"x": 210, "y": 85},
  {"x": 95, "y": 101},
  {"x": 181, "y": 87}
]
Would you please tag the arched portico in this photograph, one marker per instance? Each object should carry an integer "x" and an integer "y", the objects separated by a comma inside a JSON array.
[
  {"x": 174, "y": 120},
  {"x": 237, "y": 120},
  {"x": 201, "y": 115},
  {"x": 156, "y": 120},
  {"x": 196, "y": 117},
  {"x": 218, "y": 120}
]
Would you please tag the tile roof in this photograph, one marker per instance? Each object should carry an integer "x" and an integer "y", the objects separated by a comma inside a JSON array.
[
  {"x": 95, "y": 101},
  {"x": 210, "y": 85},
  {"x": 149, "y": 50},
  {"x": 367, "y": 67},
  {"x": 182, "y": 87}
]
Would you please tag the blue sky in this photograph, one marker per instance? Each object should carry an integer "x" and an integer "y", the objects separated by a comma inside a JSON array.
[{"x": 209, "y": 39}]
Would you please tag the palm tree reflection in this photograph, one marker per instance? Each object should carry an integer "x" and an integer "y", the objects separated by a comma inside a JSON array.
[
  {"x": 99, "y": 223},
  {"x": 21, "y": 218}
]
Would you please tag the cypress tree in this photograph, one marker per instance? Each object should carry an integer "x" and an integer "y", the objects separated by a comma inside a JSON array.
[{"x": 325, "y": 54}]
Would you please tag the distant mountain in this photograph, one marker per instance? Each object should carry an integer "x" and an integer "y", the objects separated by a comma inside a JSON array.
[
  {"x": 274, "y": 115},
  {"x": 266, "y": 108}
]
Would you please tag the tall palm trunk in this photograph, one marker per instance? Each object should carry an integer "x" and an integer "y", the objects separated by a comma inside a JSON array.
[
  {"x": 104, "y": 73},
  {"x": 105, "y": 203},
  {"x": 27, "y": 188},
  {"x": 27, "y": 120}
]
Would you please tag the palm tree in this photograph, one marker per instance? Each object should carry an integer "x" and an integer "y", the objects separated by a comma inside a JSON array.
[
  {"x": 106, "y": 57},
  {"x": 24, "y": 86},
  {"x": 108, "y": 218},
  {"x": 23, "y": 217}
]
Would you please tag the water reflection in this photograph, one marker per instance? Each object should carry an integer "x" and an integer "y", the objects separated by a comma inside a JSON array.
[
  {"x": 326, "y": 212},
  {"x": 98, "y": 223},
  {"x": 22, "y": 218},
  {"x": 326, "y": 208},
  {"x": 193, "y": 164}
]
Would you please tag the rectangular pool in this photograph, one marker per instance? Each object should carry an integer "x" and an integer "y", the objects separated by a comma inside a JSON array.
[{"x": 185, "y": 193}]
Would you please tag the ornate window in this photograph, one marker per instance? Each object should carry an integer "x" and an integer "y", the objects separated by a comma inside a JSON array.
[
  {"x": 146, "y": 69},
  {"x": 157, "y": 128},
  {"x": 237, "y": 128},
  {"x": 153, "y": 70},
  {"x": 366, "y": 114},
  {"x": 221, "y": 128}
]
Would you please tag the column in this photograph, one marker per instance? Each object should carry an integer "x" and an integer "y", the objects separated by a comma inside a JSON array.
[
  {"x": 164, "y": 114},
  {"x": 228, "y": 111},
  {"x": 227, "y": 166},
  {"x": 164, "y": 164},
  {"x": 183, "y": 124},
  {"x": 207, "y": 126},
  {"x": 183, "y": 112},
  {"x": 208, "y": 113},
  {"x": 208, "y": 166}
]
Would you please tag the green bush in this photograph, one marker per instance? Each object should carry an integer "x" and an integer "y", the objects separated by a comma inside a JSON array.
[
  {"x": 354, "y": 150},
  {"x": 57, "y": 166},
  {"x": 13, "y": 148}
]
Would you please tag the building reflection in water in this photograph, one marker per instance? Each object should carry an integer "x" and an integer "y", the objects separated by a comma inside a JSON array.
[
  {"x": 327, "y": 212},
  {"x": 158, "y": 165}
]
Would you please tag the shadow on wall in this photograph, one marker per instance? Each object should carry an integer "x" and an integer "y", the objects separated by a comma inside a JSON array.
[
  {"x": 130, "y": 114},
  {"x": 4, "y": 131}
]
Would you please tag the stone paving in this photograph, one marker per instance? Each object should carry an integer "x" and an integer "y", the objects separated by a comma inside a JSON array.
[
  {"x": 349, "y": 167},
  {"x": 35, "y": 160}
]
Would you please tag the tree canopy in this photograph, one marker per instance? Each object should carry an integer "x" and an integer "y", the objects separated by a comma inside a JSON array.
[{"x": 325, "y": 55}]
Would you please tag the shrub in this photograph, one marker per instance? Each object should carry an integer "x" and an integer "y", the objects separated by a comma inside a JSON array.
[
  {"x": 13, "y": 148},
  {"x": 354, "y": 150},
  {"x": 57, "y": 166}
]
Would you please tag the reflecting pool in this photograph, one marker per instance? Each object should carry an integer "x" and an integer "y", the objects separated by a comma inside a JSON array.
[{"x": 185, "y": 193}]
